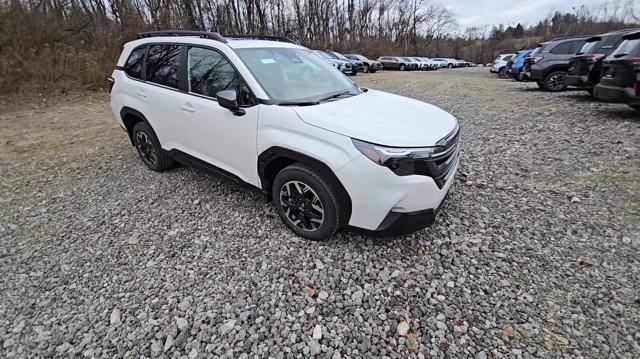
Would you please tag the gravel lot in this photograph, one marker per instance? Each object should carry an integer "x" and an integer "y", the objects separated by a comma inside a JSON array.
[{"x": 535, "y": 254}]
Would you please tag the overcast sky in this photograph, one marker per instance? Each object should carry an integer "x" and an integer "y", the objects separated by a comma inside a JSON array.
[{"x": 488, "y": 12}]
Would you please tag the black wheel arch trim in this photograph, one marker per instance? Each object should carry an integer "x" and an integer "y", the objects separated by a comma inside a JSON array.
[
  {"x": 128, "y": 111},
  {"x": 555, "y": 68},
  {"x": 275, "y": 158}
]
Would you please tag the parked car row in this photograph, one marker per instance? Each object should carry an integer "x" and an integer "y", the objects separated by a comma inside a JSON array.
[
  {"x": 607, "y": 65},
  {"x": 351, "y": 64}
]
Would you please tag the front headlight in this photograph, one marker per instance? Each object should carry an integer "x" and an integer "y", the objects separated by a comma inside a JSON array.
[{"x": 402, "y": 161}]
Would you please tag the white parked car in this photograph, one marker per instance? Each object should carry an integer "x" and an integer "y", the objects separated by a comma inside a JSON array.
[
  {"x": 425, "y": 64},
  {"x": 277, "y": 117},
  {"x": 500, "y": 63},
  {"x": 443, "y": 62}
]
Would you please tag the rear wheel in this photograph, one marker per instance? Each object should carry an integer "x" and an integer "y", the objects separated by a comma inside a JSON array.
[
  {"x": 307, "y": 203},
  {"x": 540, "y": 84},
  {"x": 149, "y": 149},
  {"x": 450, "y": 66},
  {"x": 635, "y": 107},
  {"x": 554, "y": 81}
]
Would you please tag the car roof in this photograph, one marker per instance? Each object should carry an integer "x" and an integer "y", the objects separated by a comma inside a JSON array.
[{"x": 234, "y": 43}]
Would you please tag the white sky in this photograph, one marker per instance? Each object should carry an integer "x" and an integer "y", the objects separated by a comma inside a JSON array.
[{"x": 528, "y": 12}]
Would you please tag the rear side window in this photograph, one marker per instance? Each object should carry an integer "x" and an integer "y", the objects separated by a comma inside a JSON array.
[
  {"x": 507, "y": 58},
  {"x": 133, "y": 66},
  {"x": 210, "y": 72},
  {"x": 163, "y": 64}
]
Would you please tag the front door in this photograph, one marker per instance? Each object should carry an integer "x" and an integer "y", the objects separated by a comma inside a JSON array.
[{"x": 213, "y": 133}]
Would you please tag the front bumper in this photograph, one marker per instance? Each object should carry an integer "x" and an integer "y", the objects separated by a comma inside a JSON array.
[
  {"x": 536, "y": 73},
  {"x": 616, "y": 94},
  {"x": 382, "y": 200}
]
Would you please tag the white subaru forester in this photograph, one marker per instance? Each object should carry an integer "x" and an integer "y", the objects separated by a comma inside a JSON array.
[{"x": 269, "y": 113}]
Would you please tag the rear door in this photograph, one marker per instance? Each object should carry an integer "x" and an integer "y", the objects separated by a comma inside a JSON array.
[{"x": 161, "y": 91}]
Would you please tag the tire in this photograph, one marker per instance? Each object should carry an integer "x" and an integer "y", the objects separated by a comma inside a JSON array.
[
  {"x": 554, "y": 82},
  {"x": 450, "y": 66},
  {"x": 149, "y": 149},
  {"x": 366, "y": 68},
  {"x": 288, "y": 187},
  {"x": 402, "y": 67},
  {"x": 540, "y": 84},
  {"x": 590, "y": 91},
  {"x": 373, "y": 71},
  {"x": 635, "y": 107},
  {"x": 502, "y": 73}
]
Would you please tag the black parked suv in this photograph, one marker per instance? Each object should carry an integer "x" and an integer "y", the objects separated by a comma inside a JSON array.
[
  {"x": 550, "y": 62},
  {"x": 585, "y": 69},
  {"x": 620, "y": 80}
]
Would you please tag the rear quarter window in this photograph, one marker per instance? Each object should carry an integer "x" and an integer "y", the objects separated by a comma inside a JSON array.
[{"x": 133, "y": 66}]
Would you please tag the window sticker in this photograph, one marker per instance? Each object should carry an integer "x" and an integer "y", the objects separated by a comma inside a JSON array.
[{"x": 268, "y": 61}]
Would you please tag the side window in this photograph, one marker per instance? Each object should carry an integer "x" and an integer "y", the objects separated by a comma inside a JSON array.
[
  {"x": 163, "y": 63},
  {"x": 507, "y": 58},
  {"x": 565, "y": 48},
  {"x": 133, "y": 66},
  {"x": 210, "y": 73}
]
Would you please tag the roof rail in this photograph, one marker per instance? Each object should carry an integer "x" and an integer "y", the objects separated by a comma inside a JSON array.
[
  {"x": 202, "y": 34},
  {"x": 570, "y": 37},
  {"x": 263, "y": 37}
]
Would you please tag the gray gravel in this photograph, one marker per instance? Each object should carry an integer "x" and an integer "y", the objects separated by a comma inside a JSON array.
[{"x": 535, "y": 254}]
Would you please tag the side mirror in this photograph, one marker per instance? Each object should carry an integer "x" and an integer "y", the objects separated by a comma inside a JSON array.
[{"x": 229, "y": 100}]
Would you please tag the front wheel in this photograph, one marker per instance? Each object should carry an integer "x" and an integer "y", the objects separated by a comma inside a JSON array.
[
  {"x": 402, "y": 67},
  {"x": 635, "y": 107},
  {"x": 540, "y": 84},
  {"x": 450, "y": 66},
  {"x": 366, "y": 68},
  {"x": 554, "y": 81},
  {"x": 307, "y": 203},
  {"x": 502, "y": 73}
]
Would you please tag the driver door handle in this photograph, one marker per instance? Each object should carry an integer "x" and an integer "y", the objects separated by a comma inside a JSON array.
[{"x": 187, "y": 107}]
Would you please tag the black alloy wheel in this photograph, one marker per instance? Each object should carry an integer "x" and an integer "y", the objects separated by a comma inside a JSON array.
[{"x": 554, "y": 81}]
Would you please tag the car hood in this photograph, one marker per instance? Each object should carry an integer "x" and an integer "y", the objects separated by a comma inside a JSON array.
[{"x": 382, "y": 118}]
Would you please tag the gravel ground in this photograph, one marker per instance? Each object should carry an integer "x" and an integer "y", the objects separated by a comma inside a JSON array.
[{"x": 535, "y": 254}]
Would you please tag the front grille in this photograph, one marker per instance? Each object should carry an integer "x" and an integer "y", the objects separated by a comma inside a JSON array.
[{"x": 440, "y": 165}]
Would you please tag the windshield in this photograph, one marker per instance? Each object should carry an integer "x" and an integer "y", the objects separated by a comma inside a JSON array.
[
  {"x": 323, "y": 54},
  {"x": 295, "y": 75},
  {"x": 339, "y": 55},
  {"x": 536, "y": 51}
]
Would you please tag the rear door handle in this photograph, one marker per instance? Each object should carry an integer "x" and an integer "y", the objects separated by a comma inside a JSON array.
[
  {"x": 187, "y": 107},
  {"x": 141, "y": 93}
]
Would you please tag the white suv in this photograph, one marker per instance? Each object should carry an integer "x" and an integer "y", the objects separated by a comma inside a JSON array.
[
  {"x": 499, "y": 65},
  {"x": 269, "y": 113}
]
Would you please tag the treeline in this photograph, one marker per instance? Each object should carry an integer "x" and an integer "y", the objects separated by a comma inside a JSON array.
[{"x": 70, "y": 42}]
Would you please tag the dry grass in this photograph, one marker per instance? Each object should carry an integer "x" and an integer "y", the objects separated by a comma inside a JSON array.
[{"x": 54, "y": 67}]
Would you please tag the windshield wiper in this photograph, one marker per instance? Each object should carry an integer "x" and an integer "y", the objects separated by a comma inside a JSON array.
[
  {"x": 299, "y": 103},
  {"x": 339, "y": 94}
]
